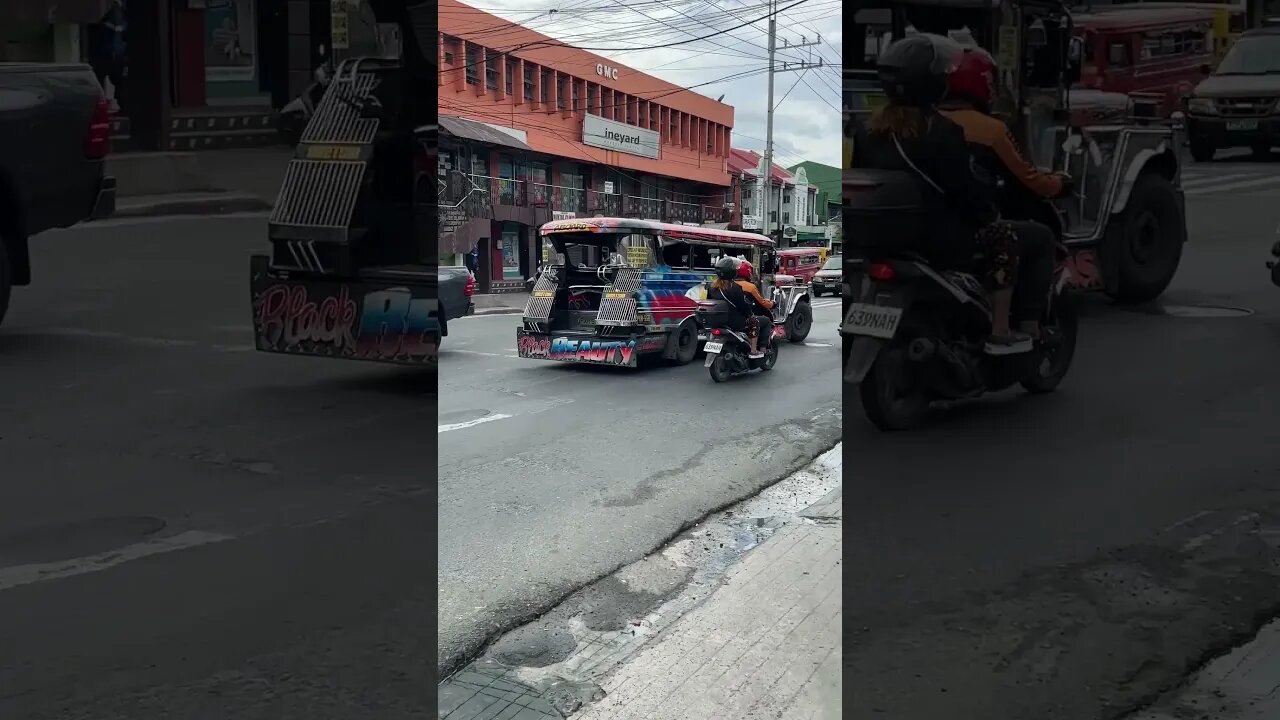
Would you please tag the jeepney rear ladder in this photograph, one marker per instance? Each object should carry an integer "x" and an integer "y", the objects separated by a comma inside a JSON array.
[
  {"x": 311, "y": 222},
  {"x": 620, "y": 311}
]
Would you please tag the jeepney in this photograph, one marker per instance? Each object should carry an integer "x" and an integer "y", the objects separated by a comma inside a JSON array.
[
  {"x": 616, "y": 289},
  {"x": 1126, "y": 225}
]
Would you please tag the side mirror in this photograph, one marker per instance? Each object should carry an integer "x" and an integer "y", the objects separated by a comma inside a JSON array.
[{"x": 1206, "y": 69}]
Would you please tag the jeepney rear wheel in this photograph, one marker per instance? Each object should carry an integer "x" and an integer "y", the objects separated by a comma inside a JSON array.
[
  {"x": 6, "y": 279},
  {"x": 1202, "y": 150},
  {"x": 686, "y": 344},
  {"x": 800, "y": 322},
  {"x": 1151, "y": 233}
]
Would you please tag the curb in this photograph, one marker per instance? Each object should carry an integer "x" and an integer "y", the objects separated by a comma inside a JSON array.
[
  {"x": 212, "y": 205},
  {"x": 498, "y": 311}
]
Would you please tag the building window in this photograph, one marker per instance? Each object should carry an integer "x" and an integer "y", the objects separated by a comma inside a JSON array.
[
  {"x": 786, "y": 218},
  {"x": 631, "y": 109},
  {"x": 528, "y": 82},
  {"x": 562, "y": 93},
  {"x": 573, "y": 84},
  {"x": 511, "y": 76},
  {"x": 491, "y": 61},
  {"x": 786, "y": 198},
  {"x": 548, "y": 80},
  {"x": 593, "y": 98},
  {"x": 711, "y": 139},
  {"x": 473, "y": 65},
  {"x": 675, "y": 120}
]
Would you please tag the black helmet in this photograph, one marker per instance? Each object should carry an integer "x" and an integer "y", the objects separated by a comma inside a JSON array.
[
  {"x": 727, "y": 268},
  {"x": 913, "y": 71}
]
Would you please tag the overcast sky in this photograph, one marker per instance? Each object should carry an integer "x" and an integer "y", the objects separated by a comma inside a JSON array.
[{"x": 806, "y": 121}]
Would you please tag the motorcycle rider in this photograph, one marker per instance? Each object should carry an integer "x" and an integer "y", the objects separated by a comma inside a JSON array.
[
  {"x": 742, "y": 316},
  {"x": 908, "y": 133},
  {"x": 761, "y": 308},
  {"x": 968, "y": 104}
]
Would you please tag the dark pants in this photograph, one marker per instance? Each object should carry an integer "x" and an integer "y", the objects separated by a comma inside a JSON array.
[{"x": 1035, "y": 250}]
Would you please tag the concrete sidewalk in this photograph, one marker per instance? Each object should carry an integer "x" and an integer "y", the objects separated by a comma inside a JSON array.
[
  {"x": 500, "y": 303},
  {"x": 198, "y": 183},
  {"x": 767, "y": 644},
  {"x": 1241, "y": 685}
]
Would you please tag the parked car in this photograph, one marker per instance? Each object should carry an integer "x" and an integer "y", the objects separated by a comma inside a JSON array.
[
  {"x": 456, "y": 287},
  {"x": 1236, "y": 105},
  {"x": 55, "y": 134},
  {"x": 828, "y": 279}
]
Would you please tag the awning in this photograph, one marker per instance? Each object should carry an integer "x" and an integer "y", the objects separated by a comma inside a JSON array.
[{"x": 478, "y": 131}]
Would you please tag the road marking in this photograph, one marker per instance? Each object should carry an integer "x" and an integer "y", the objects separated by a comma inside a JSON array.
[
  {"x": 1209, "y": 178},
  {"x": 811, "y": 344},
  {"x": 472, "y": 423},
  {"x": 1233, "y": 186},
  {"x": 486, "y": 354},
  {"x": 12, "y": 577}
]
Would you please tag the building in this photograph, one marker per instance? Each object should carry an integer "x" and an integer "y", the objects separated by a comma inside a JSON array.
[
  {"x": 544, "y": 131},
  {"x": 198, "y": 74},
  {"x": 824, "y": 181}
]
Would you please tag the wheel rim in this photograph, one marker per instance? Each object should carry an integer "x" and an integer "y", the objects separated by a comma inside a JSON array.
[
  {"x": 801, "y": 323},
  {"x": 1145, "y": 244},
  {"x": 685, "y": 340}
]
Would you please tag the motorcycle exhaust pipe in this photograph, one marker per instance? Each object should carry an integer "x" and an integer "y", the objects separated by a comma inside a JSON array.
[{"x": 921, "y": 350}]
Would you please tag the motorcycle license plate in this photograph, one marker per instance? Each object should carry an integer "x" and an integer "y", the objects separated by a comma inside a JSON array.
[
  {"x": 877, "y": 321},
  {"x": 714, "y": 347}
]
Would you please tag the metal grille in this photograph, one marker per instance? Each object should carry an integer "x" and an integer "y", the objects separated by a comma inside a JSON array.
[
  {"x": 1245, "y": 106},
  {"x": 540, "y": 307},
  {"x": 337, "y": 121},
  {"x": 617, "y": 312},
  {"x": 627, "y": 280},
  {"x": 319, "y": 193}
]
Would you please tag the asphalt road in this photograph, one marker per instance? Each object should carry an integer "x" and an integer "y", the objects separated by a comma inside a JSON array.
[
  {"x": 1069, "y": 556},
  {"x": 189, "y": 529},
  {"x": 552, "y": 475}
]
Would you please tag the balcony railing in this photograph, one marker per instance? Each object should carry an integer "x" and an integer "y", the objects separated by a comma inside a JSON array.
[{"x": 477, "y": 193}]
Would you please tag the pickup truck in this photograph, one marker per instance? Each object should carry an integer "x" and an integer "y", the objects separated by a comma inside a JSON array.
[
  {"x": 456, "y": 286},
  {"x": 55, "y": 133}
]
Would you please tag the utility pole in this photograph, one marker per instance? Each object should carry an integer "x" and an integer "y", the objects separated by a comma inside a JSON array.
[{"x": 786, "y": 67}]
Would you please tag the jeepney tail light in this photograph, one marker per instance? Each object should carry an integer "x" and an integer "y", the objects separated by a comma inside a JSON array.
[
  {"x": 881, "y": 271},
  {"x": 470, "y": 289},
  {"x": 98, "y": 142}
]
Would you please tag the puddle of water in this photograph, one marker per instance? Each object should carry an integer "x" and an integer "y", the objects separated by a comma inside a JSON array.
[{"x": 707, "y": 552}]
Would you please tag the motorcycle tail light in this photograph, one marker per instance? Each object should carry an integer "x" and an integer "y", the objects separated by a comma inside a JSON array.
[
  {"x": 716, "y": 331},
  {"x": 881, "y": 271}
]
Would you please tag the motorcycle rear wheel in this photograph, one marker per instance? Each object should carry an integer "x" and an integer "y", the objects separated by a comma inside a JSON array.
[
  {"x": 717, "y": 370},
  {"x": 889, "y": 403}
]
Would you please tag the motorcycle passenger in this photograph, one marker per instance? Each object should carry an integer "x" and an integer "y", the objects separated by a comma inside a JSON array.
[
  {"x": 968, "y": 104},
  {"x": 742, "y": 316},
  {"x": 762, "y": 308},
  {"x": 908, "y": 133}
]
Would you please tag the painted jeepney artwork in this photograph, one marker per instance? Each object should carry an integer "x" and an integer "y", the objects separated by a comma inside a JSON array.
[{"x": 619, "y": 288}]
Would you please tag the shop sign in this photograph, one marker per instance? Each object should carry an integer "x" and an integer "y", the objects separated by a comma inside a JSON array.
[
  {"x": 610, "y": 135},
  {"x": 606, "y": 71},
  {"x": 340, "y": 35}
]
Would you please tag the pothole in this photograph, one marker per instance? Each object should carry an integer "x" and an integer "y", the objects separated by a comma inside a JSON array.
[
  {"x": 1204, "y": 311},
  {"x": 550, "y": 667}
]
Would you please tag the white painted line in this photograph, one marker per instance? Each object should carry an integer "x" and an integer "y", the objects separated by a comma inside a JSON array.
[
  {"x": 1209, "y": 178},
  {"x": 1234, "y": 186},
  {"x": 486, "y": 354},
  {"x": 811, "y": 345},
  {"x": 472, "y": 423},
  {"x": 12, "y": 577}
]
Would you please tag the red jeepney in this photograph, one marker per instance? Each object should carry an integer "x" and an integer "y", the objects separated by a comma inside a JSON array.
[
  {"x": 801, "y": 263},
  {"x": 1158, "y": 52}
]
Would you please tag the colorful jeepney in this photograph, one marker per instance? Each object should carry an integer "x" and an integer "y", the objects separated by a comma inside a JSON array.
[{"x": 618, "y": 288}]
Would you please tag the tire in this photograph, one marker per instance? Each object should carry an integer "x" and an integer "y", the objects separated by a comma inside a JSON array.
[
  {"x": 686, "y": 340},
  {"x": 1202, "y": 151},
  {"x": 1151, "y": 232},
  {"x": 884, "y": 411},
  {"x": 770, "y": 358},
  {"x": 717, "y": 370},
  {"x": 1053, "y": 368},
  {"x": 800, "y": 322}
]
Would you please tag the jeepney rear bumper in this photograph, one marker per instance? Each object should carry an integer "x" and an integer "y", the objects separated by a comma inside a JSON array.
[
  {"x": 576, "y": 346},
  {"x": 1226, "y": 132}
]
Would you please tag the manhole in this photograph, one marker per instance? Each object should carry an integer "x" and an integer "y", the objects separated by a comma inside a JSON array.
[{"x": 1205, "y": 311}]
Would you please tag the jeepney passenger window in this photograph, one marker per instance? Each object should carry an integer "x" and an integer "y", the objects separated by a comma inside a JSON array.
[
  {"x": 704, "y": 257},
  {"x": 1118, "y": 54}
]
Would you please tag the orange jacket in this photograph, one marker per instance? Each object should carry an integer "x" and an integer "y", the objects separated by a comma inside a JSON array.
[
  {"x": 750, "y": 288},
  {"x": 992, "y": 135}
]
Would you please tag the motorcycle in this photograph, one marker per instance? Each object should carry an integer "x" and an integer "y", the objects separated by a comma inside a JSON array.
[
  {"x": 1274, "y": 265},
  {"x": 728, "y": 350},
  {"x": 294, "y": 116},
  {"x": 914, "y": 335}
]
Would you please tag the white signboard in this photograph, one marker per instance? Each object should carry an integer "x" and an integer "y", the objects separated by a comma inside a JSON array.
[
  {"x": 608, "y": 187},
  {"x": 750, "y": 223},
  {"x": 610, "y": 135}
]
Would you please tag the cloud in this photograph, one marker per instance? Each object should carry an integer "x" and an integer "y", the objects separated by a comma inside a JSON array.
[{"x": 806, "y": 123}]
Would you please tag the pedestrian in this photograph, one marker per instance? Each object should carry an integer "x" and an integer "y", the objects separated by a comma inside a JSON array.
[
  {"x": 107, "y": 50},
  {"x": 472, "y": 259}
]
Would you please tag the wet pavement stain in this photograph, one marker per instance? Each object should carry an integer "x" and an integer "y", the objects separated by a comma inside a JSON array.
[{"x": 554, "y": 662}]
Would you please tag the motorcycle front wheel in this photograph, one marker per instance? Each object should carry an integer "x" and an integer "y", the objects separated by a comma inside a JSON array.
[
  {"x": 891, "y": 400},
  {"x": 1058, "y": 351}
]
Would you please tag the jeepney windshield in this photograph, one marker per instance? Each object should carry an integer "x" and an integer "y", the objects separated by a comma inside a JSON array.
[{"x": 1259, "y": 55}]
